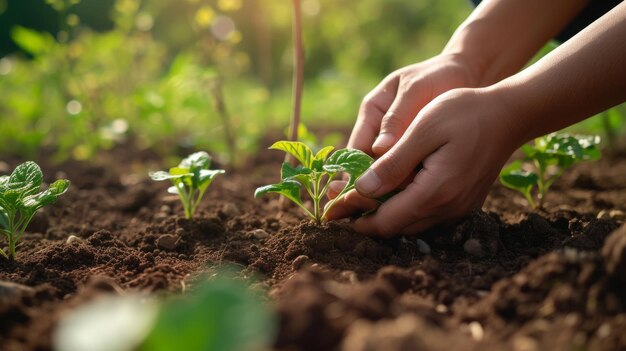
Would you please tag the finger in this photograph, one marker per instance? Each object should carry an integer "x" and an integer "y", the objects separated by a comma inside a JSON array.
[
  {"x": 406, "y": 105},
  {"x": 396, "y": 214},
  {"x": 371, "y": 112},
  {"x": 350, "y": 204},
  {"x": 335, "y": 187},
  {"x": 392, "y": 168}
]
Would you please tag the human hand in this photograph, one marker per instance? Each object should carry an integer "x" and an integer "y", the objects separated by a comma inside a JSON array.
[
  {"x": 462, "y": 139},
  {"x": 387, "y": 111}
]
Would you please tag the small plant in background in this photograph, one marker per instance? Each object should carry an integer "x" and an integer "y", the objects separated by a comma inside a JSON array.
[
  {"x": 190, "y": 180},
  {"x": 314, "y": 174},
  {"x": 550, "y": 156},
  {"x": 20, "y": 198},
  {"x": 221, "y": 314}
]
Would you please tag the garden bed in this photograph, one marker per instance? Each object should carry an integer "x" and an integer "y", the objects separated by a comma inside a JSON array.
[{"x": 506, "y": 278}]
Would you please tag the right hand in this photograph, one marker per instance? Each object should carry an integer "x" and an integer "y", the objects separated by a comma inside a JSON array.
[{"x": 388, "y": 110}]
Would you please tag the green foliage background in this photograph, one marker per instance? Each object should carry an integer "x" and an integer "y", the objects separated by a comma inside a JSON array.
[{"x": 89, "y": 74}]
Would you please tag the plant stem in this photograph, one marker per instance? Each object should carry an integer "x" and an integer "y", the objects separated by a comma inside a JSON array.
[
  {"x": 220, "y": 107},
  {"x": 298, "y": 72},
  {"x": 298, "y": 79}
]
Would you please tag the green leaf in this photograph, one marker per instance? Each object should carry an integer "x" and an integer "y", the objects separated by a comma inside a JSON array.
[
  {"x": 46, "y": 197},
  {"x": 162, "y": 175},
  {"x": 514, "y": 177},
  {"x": 299, "y": 173},
  {"x": 322, "y": 155},
  {"x": 221, "y": 315},
  {"x": 4, "y": 219},
  {"x": 288, "y": 188},
  {"x": 31, "y": 41},
  {"x": 198, "y": 160},
  {"x": 26, "y": 178},
  {"x": 205, "y": 178},
  {"x": 3, "y": 182},
  {"x": 297, "y": 149},
  {"x": 352, "y": 161}
]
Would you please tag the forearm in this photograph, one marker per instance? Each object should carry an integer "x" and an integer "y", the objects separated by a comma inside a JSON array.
[
  {"x": 582, "y": 77},
  {"x": 500, "y": 36}
]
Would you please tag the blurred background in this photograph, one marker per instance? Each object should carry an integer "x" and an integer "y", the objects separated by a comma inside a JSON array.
[{"x": 79, "y": 76}]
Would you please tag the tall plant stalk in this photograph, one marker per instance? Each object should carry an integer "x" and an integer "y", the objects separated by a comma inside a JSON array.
[{"x": 298, "y": 81}]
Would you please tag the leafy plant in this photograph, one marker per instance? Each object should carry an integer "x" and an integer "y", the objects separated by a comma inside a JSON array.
[
  {"x": 20, "y": 198},
  {"x": 550, "y": 156},
  {"x": 221, "y": 314},
  {"x": 190, "y": 180},
  {"x": 314, "y": 174}
]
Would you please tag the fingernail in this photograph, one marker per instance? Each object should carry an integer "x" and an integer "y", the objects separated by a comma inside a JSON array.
[
  {"x": 336, "y": 187},
  {"x": 368, "y": 183},
  {"x": 384, "y": 141}
]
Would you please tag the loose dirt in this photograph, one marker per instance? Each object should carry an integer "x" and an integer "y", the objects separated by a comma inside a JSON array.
[{"x": 503, "y": 278}]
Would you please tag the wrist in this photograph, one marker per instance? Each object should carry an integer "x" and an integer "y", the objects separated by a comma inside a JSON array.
[
  {"x": 511, "y": 111},
  {"x": 471, "y": 65}
]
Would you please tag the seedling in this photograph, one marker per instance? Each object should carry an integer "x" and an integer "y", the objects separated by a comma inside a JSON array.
[
  {"x": 189, "y": 180},
  {"x": 550, "y": 156},
  {"x": 20, "y": 198},
  {"x": 314, "y": 173}
]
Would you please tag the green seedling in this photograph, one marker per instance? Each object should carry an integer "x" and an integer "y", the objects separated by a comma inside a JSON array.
[
  {"x": 550, "y": 156},
  {"x": 315, "y": 173},
  {"x": 221, "y": 314},
  {"x": 20, "y": 197},
  {"x": 189, "y": 180}
]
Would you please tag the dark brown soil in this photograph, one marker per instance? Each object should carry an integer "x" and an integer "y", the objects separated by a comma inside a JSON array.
[{"x": 503, "y": 279}]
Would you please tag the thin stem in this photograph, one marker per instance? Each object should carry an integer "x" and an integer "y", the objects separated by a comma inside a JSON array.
[
  {"x": 541, "y": 173},
  {"x": 333, "y": 201},
  {"x": 298, "y": 81},
  {"x": 529, "y": 198}
]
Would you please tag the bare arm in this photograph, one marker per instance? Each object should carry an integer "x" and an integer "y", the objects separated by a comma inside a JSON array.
[
  {"x": 500, "y": 36},
  {"x": 582, "y": 77}
]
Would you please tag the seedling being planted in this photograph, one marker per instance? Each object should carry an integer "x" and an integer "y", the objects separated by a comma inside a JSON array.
[
  {"x": 314, "y": 174},
  {"x": 550, "y": 156},
  {"x": 189, "y": 180},
  {"x": 20, "y": 198}
]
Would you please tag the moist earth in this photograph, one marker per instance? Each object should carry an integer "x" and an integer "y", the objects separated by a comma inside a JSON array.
[{"x": 505, "y": 277}]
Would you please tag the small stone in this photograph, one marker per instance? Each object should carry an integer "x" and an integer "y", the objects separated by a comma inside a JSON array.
[
  {"x": 299, "y": 261},
  {"x": 604, "y": 214},
  {"x": 167, "y": 241},
  {"x": 604, "y": 331},
  {"x": 166, "y": 209},
  {"x": 231, "y": 210},
  {"x": 617, "y": 215},
  {"x": 350, "y": 276},
  {"x": 160, "y": 215},
  {"x": 73, "y": 239},
  {"x": 441, "y": 308},
  {"x": 260, "y": 234},
  {"x": 473, "y": 247},
  {"x": 476, "y": 330},
  {"x": 423, "y": 247}
]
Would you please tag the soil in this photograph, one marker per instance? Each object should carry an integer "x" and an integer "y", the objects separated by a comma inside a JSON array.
[{"x": 503, "y": 278}]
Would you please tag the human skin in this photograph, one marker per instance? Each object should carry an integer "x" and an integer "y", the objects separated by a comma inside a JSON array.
[{"x": 463, "y": 136}]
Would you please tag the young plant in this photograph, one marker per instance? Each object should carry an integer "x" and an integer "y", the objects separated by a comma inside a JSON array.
[
  {"x": 314, "y": 174},
  {"x": 20, "y": 198},
  {"x": 190, "y": 180},
  {"x": 550, "y": 156}
]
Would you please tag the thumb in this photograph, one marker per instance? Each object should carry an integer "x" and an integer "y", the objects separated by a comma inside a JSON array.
[{"x": 393, "y": 168}]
